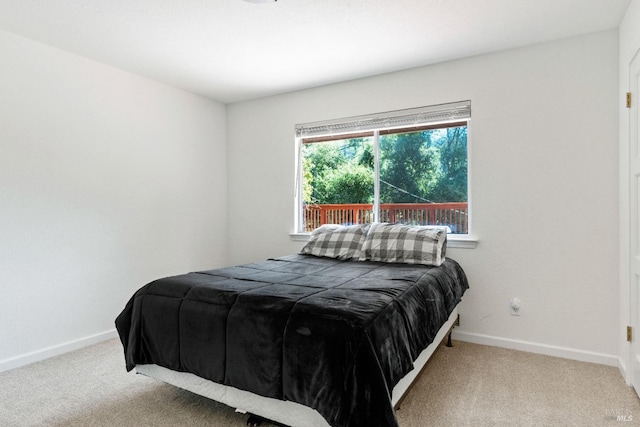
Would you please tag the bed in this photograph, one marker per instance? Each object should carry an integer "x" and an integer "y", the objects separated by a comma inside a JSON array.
[{"x": 304, "y": 339}]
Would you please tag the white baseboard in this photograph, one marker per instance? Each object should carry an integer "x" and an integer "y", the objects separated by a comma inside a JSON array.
[
  {"x": 531, "y": 347},
  {"x": 549, "y": 350},
  {"x": 45, "y": 353},
  {"x": 622, "y": 366}
]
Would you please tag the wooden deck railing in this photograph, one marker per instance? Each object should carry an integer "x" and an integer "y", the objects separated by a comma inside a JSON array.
[{"x": 454, "y": 215}]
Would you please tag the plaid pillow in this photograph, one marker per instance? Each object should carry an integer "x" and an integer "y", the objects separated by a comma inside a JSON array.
[
  {"x": 406, "y": 244},
  {"x": 337, "y": 241}
]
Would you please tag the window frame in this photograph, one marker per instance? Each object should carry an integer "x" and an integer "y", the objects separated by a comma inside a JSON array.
[{"x": 373, "y": 125}]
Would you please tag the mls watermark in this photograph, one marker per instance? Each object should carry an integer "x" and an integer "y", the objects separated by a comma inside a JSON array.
[{"x": 617, "y": 414}]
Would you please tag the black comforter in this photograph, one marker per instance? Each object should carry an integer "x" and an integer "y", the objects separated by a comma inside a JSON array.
[{"x": 332, "y": 335}]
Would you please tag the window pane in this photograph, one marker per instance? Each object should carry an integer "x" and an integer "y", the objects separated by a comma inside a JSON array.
[
  {"x": 337, "y": 182},
  {"x": 423, "y": 178}
]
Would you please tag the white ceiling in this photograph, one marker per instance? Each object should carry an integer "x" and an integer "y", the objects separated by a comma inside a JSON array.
[{"x": 232, "y": 50}]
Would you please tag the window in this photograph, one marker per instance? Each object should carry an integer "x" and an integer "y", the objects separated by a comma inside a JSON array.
[{"x": 407, "y": 166}]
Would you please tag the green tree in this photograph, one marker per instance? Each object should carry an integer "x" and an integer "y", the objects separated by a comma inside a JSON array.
[
  {"x": 338, "y": 171},
  {"x": 307, "y": 180},
  {"x": 352, "y": 183},
  {"x": 423, "y": 166},
  {"x": 452, "y": 185},
  {"x": 409, "y": 167}
]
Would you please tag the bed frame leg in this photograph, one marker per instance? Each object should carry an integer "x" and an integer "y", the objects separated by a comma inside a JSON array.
[
  {"x": 254, "y": 420},
  {"x": 456, "y": 323}
]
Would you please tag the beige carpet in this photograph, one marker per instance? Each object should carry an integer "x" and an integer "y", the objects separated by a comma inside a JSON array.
[{"x": 467, "y": 385}]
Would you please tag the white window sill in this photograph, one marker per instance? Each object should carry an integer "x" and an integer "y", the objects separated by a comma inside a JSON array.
[{"x": 453, "y": 241}]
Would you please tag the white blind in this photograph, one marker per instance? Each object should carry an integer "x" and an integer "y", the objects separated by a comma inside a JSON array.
[{"x": 441, "y": 113}]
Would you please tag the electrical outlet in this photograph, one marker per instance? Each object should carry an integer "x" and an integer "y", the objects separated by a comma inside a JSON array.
[{"x": 515, "y": 306}]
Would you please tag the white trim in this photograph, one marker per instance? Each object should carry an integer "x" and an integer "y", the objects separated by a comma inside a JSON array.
[
  {"x": 461, "y": 242},
  {"x": 469, "y": 183},
  {"x": 622, "y": 367},
  {"x": 632, "y": 264},
  {"x": 453, "y": 241},
  {"x": 440, "y": 114},
  {"x": 45, "y": 353},
  {"x": 376, "y": 176},
  {"x": 532, "y": 347},
  {"x": 300, "y": 237},
  {"x": 299, "y": 219}
]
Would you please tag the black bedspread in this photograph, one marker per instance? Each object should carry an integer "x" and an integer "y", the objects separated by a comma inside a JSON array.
[{"x": 332, "y": 335}]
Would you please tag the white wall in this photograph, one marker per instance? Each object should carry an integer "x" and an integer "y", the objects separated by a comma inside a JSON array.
[
  {"x": 544, "y": 179},
  {"x": 107, "y": 181},
  {"x": 629, "y": 45}
]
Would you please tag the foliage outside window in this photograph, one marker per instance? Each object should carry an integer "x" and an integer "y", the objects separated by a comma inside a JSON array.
[{"x": 413, "y": 175}]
